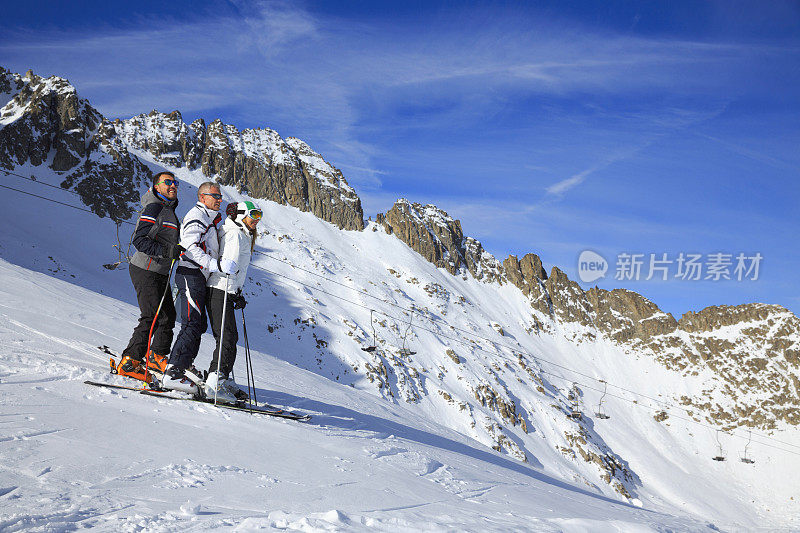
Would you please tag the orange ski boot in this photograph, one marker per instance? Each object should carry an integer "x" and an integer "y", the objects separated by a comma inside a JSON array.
[
  {"x": 131, "y": 368},
  {"x": 158, "y": 363}
]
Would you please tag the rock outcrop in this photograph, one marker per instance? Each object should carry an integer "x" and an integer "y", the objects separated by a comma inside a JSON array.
[
  {"x": 44, "y": 122},
  {"x": 256, "y": 161},
  {"x": 526, "y": 273},
  {"x": 751, "y": 352},
  {"x": 330, "y": 197},
  {"x": 166, "y": 137},
  {"x": 437, "y": 237},
  {"x": 625, "y": 315},
  {"x": 569, "y": 302},
  {"x": 741, "y": 350},
  {"x": 530, "y": 277}
]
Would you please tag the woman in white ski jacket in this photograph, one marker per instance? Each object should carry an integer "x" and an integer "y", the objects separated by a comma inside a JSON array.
[{"x": 237, "y": 238}]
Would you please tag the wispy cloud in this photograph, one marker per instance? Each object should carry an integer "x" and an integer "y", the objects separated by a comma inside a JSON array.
[
  {"x": 668, "y": 122},
  {"x": 278, "y": 64},
  {"x": 559, "y": 188},
  {"x": 563, "y": 186},
  {"x": 751, "y": 153}
]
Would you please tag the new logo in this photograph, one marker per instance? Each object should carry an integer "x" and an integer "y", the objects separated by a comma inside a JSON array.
[{"x": 591, "y": 266}]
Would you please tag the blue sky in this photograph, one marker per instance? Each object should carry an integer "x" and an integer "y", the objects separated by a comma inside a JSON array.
[{"x": 554, "y": 127}]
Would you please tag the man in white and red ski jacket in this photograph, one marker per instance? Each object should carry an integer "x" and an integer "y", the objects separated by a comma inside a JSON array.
[{"x": 199, "y": 238}]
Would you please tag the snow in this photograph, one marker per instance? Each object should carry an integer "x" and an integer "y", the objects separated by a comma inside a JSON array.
[
  {"x": 10, "y": 108},
  {"x": 10, "y": 113},
  {"x": 395, "y": 457},
  {"x": 120, "y": 461},
  {"x": 256, "y": 142},
  {"x": 324, "y": 172}
]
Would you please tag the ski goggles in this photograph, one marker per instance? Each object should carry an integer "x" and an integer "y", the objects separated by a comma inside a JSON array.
[
  {"x": 255, "y": 214},
  {"x": 170, "y": 183}
]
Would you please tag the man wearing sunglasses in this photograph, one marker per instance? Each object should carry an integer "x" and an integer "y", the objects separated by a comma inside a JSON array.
[
  {"x": 200, "y": 239},
  {"x": 156, "y": 241}
]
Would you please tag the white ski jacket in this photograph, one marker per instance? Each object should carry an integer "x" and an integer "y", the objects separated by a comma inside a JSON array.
[
  {"x": 199, "y": 238},
  {"x": 234, "y": 245}
]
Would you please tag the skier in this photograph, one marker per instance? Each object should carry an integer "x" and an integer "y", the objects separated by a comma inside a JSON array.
[
  {"x": 201, "y": 259},
  {"x": 237, "y": 240},
  {"x": 156, "y": 241}
]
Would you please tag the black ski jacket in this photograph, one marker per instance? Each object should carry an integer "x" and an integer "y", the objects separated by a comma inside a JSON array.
[{"x": 156, "y": 229}]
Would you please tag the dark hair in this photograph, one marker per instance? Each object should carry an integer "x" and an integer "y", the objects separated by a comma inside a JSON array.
[{"x": 161, "y": 173}]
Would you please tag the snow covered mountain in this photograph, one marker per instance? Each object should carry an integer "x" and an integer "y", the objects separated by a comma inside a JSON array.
[
  {"x": 497, "y": 353},
  {"x": 255, "y": 161},
  {"x": 747, "y": 353},
  {"x": 45, "y": 124}
]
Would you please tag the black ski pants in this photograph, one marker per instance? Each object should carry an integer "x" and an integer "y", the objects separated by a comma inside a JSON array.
[
  {"x": 150, "y": 287},
  {"x": 215, "y": 301},
  {"x": 191, "y": 285}
]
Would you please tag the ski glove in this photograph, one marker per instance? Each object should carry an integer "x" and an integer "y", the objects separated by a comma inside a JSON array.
[
  {"x": 174, "y": 251},
  {"x": 212, "y": 267},
  {"x": 238, "y": 300},
  {"x": 226, "y": 266}
]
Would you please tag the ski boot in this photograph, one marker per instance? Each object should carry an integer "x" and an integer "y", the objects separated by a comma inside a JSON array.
[
  {"x": 196, "y": 377},
  {"x": 131, "y": 368},
  {"x": 215, "y": 388},
  {"x": 234, "y": 388},
  {"x": 157, "y": 363},
  {"x": 176, "y": 379}
]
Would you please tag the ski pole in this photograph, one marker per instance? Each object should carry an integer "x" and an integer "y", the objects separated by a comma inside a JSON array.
[
  {"x": 153, "y": 325},
  {"x": 249, "y": 360},
  {"x": 246, "y": 364},
  {"x": 250, "y": 365},
  {"x": 247, "y": 369},
  {"x": 222, "y": 332}
]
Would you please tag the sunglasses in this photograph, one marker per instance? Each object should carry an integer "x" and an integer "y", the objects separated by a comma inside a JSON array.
[
  {"x": 214, "y": 195},
  {"x": 170, "y": 183}
]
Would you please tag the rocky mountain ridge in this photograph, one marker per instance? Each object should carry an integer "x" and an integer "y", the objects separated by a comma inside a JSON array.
[
  {"x": 747, "y": 347},
  {"x": 256, "y": 161},
  {"x": 438, "y": 238},
  {"x": 44, "y": 122}
]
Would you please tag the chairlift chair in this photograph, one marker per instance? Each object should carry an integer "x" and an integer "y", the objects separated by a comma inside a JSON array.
[
  {"x": 721, "y": 455},
  {"x": 123, "y": 257},
  {"x": 600, "y": 414},
  {"x": 744, "y": 458},
  {"x": 405, "y": 352},
  {"x": 575, "y": 412},
  {"x": 373, "y": 346}
]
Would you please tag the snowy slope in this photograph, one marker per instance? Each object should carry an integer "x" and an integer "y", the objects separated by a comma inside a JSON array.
[
  {"x": 77, "y": 456},
  {"x": 386, "y": 425}
]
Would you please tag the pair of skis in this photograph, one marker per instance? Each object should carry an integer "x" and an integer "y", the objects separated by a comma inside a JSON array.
[{"x": 152, "y": 389}]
